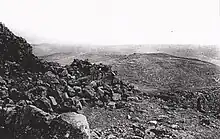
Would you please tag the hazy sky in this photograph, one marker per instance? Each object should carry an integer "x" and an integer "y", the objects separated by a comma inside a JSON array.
[{"x": 114, "y": 21}]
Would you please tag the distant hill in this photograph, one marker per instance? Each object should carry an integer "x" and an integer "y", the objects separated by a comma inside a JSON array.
[
  {"x": 57, "y": 52},
  {"x": 51, "y": 50},
  {"x": 160, "y": 70}
]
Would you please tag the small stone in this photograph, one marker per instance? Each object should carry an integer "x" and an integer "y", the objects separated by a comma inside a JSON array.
[
  {"x": 120, "y": 104},
  {"x": 138, "y": 132},
  {"x": 1, "y": 102},
  {"x": 40, "y": 82},
  {"x": 3, "y": 94},
  {"x": 99, "y": 103},
  {"x": 2, "y": 81},
  {"x": 174, "y": 126},
  {"x": 88, "y": 92},
  {"x": 111, "y": 137},
  {"x": 153, "y": 122},
  {"x": 70, "y": 91},
  {"x": 53, "y": 100},
  {"x": 116, "y": 97},
  {"x": 129, "y": 117},
  {"x": 131, "y": 109},
  {"x": 136, "y": 119},
  {"x": 78, "y": 105},
  {"x": 148, "y": 133},
  {"x": 50, "y": 74},
  {"x": 43, "y": 103},
  {"x": 132, "y": 99},
  {"x": 73, "y": 77},
  {"x": 163, "y": 116},
  {"x": 165, "y": 108},
  {"x": 77, "y": 89},
  {"x": 100, "y": 91},
  {"x": 111, "y": 105},
  {"x": 64, "y": 73},
  {"x": 93, "y": 84},
  {"x": 65, "y": 96},
  {"x": 67, "y": 134}
]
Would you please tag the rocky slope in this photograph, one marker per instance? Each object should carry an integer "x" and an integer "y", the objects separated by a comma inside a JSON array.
[{"x": 43, "y": 99}]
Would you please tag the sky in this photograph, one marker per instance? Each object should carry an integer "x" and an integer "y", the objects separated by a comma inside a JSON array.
[{"x": 114, "y": 22}]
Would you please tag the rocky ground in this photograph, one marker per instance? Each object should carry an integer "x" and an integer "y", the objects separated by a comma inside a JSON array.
[
  {"x": 46, "y": 100},
  {"x": 43, "y": 100}
]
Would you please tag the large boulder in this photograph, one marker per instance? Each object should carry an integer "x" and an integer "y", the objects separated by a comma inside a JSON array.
[
  {"x": 79, "y": 125},
  {"x": 31, "y": 122}
]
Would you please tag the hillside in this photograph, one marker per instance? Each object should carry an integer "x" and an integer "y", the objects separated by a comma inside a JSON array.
[
  {"x": 159, "y": 70},
  {"x": 153, "y": 96},
  {"x": 153, "y": 70}
]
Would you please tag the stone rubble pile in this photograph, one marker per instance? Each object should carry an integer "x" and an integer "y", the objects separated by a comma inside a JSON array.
[{"x": 41, "y": 99}]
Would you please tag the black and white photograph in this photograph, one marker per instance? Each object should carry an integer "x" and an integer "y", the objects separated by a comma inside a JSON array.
[{"x": 109, "y": 69}]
